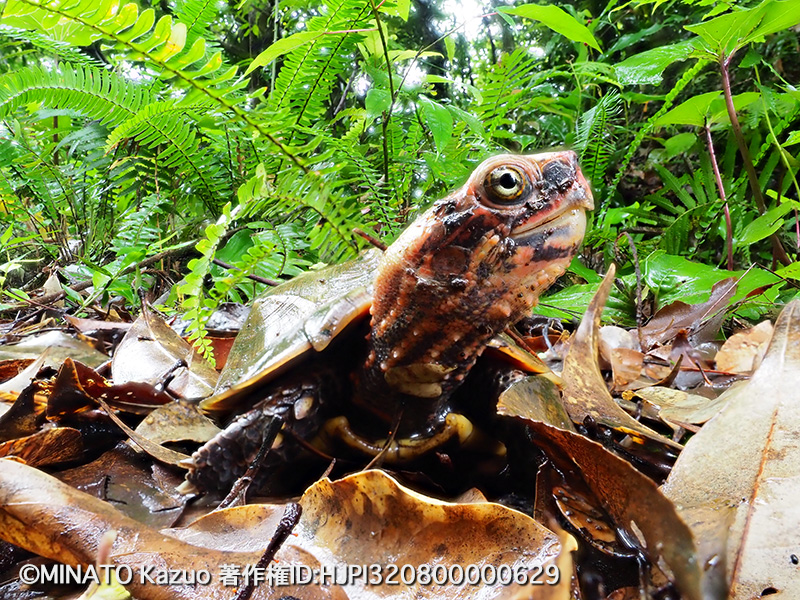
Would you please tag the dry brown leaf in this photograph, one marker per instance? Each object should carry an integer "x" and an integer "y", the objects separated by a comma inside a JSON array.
[
  {"x": 585, "y": 392},
  {"x": 677, "y": 407},
  {"x": 58, "y": 345},
  {"x": 700, "y": 320},
  {"x": 151, "y": 350},
  {"x": 744, "y": 351},
  {"x": 89, "y": 325},
  {"x": 737, "y": 483},
  {"x": 364, "y": 519},
  {"x": 633, "y": 500},
  {"x": 47, "y": 447}
]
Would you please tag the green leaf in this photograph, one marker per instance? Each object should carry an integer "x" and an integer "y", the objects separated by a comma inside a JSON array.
[
  {"x": 473, "y": 122},
  {"x": 708, "y": 107},
  {"x": 648, "y": 67},
  {"x": 676, "y": 278},
  {"x": 450, "y": 47},
  {"x": 505, "y": 17},
  {"x": 791, "y": 271},
  {"x": 763, "y": 226},
  {"x": 678, "y": 144},
  {"x": 395, "y": 55},
  {"x": 438, "y": 119},
  {"x": 571, "y": 303},
  {"x": 556, "y": 19},
  {"x": 727, "y": 33},
  {"x": 794, "y": 138},
  {"x": 281, "y": 47},
  {"x": 377, "y": 101},
  {"x": 397, "y": 8}
]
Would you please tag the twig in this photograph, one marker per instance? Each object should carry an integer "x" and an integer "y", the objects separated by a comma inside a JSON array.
[
  {"x": 239, "y": 489},
  {"x": 718, "y": 177},
  {"x": 291, "y": 516},
  {"x": 370, "y": 238},
  {"x": 638, "y": 271}
]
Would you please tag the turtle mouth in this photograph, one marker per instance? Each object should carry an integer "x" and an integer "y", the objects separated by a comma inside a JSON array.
[{"x": 569, "y": 220}]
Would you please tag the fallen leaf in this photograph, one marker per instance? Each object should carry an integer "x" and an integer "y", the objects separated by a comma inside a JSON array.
[
  {"x": 178, "y": 421},
  {"x": 151, "y": 351},
  {"x": 744, "y": 351},
  {"x": 536, "y": 398},
  {"x": 127, "y": 481},
  {"x": 612, "y": 338},
  {"x": 738, "y": 480},
  {"x": 89, "y": 325},
  {"x": 364, "y": 519},
  {"x": 58, "y": 345},
  {"x": 585, "y": 391},
  {"x": 701, "y": 320},
  {"x": 677, "y": 407},
  {"x": 649, "y": 519},
  {"x": 77, "y": 387},
  {"x": 47, "y": 447},
  {"x": 626, "y": 366}
]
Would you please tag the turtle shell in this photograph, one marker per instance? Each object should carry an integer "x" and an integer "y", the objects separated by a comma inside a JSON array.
[
  {"x": 302, "y": 316},
  {"x": 291, "y": 320}
]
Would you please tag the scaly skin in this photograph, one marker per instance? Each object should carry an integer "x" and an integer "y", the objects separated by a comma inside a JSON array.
[{"x": 474, "y": 263}]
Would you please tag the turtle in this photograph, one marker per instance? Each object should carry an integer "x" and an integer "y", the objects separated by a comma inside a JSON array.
[{"x": 367, "y": 358}]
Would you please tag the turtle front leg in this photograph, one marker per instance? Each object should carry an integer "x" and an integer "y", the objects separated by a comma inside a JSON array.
[
  {"x": 394, "y": 451},
  {"x": 301, "y": 403}
]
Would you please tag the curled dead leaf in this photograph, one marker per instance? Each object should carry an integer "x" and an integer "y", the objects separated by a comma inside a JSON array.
[
  {"x": 744, "y": 351},
  {"x": 585, "y": 391}
]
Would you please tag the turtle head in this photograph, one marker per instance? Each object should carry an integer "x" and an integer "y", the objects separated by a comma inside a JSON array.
[{"x": 473, "y": 263}]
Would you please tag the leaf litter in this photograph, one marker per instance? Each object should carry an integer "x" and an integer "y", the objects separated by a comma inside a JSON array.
[{"x": 723, "y": 521}]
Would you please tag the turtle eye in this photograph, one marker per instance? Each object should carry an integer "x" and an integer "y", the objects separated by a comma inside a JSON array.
[{"x": 505, "y": 185}]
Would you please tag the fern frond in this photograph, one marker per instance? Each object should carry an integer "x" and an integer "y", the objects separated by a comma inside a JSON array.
[
  {"x": 197, "y": 15},
  {"x": 506, "y": 90},
  {"x": 306, "y": 79},
  {"x": 161, "y": 44},
  {"x": 48, "y": 45},
  {"x": 95, "y": 93},
  {"x": 293, "y": 195},
  {"x": 144, "y": 126},
  {"x": 595, "y": 141}
]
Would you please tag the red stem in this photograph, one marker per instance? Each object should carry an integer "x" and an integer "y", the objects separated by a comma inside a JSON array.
[
  {"x": 726, "y": 209},
  {"x": 777, "y": 249}
]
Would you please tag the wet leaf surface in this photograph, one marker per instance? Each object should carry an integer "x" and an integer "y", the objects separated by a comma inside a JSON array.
[
  {"x": 628, "y": 536},
  {"x": 58, "y": 346},
  {"x": 649, "y": 520},
  {"x": 363, "y": 519},
  {"x": 47, "y": 447},
  {"x": 585, "y": 391},
  {"x": 738, "y": 480},
  {"x": 702, "y": 320},
  {"x": 679, "y": 407},
  {"x": 151, "y": 351}
]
